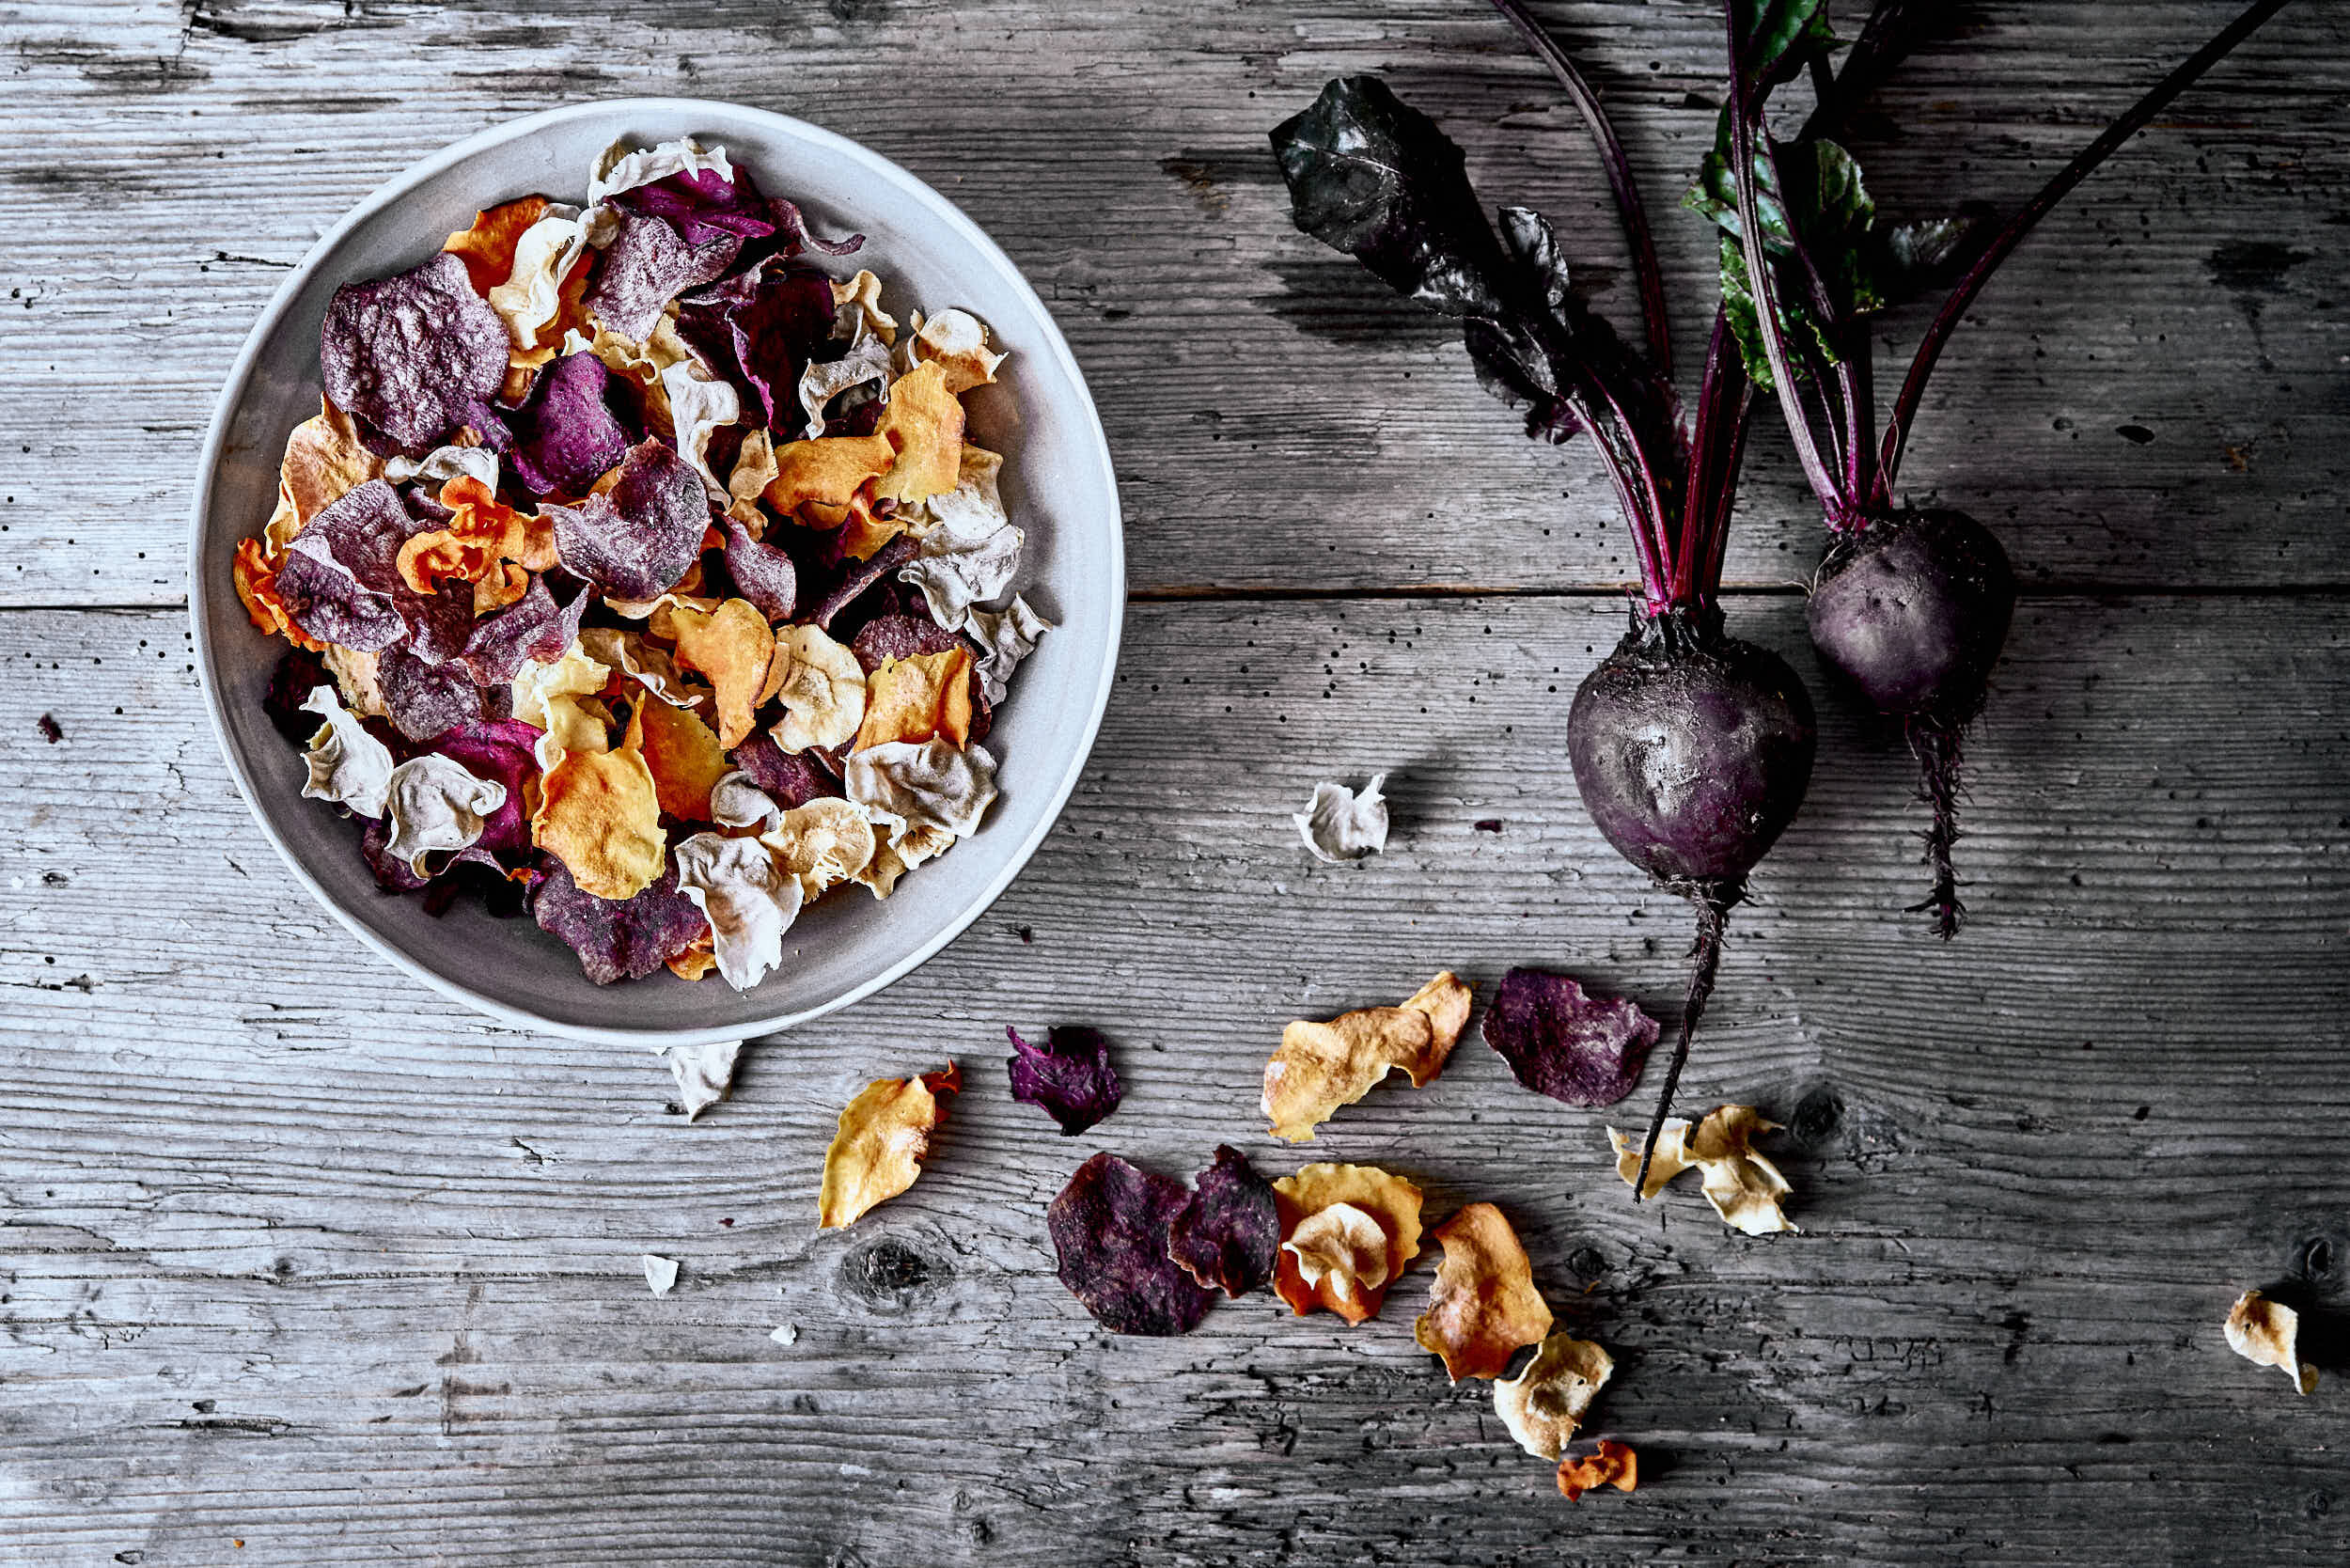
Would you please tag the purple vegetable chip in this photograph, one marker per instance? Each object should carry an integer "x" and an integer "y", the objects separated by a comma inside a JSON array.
[
  {"x": 647, "y": 265},
  {"x": 858, "y": 577},
  {"x": 792, "y": 779},
  {"x": 899, "y": 636},
  {"x": 617, "y": 938},
  {"x": 1109, "y": 1226},
  {"x": 566, "y": 436},
  {"x": 759, "y": 328},
  {"x": 762, "y": 574},
  {"x": 499, "y": 750},
  {"x": 439, "y": 623},
  {"x": 412, "y": 354},
  {"x": 702, "y": 205},
  {"x": 533, "y": 627},
  {"x": 637, "y": 539},
  {"x": 297, "y": 673},
  {"x": 1229, "y": 1236},
  {"x": 340, "y": 574},
  {"x": 1567, "y": 1044},
  {"x": 422, "y": 700},
  {"x": 793, "y": 237},
  {"x": 392, "y": 874},
  {"x": 1069, "y": 1076}
]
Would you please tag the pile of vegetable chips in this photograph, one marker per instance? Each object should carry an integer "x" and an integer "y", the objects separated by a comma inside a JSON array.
[{"x": 638, "y": 574}]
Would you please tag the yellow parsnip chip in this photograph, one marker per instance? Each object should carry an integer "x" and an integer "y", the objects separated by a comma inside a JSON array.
[
  {"x": 599, "y": 814},
  {"x": 323, "y": 459},
  {"x": 1390, "y": 1201},
  {"x": 958, "y": 341},
  {"x": 1544, "y": 1404},
  {"x": 1743, "y": 1187},
  {"x": 923, "y": 425},
  {"x": 1320, "y": 1067},
  {"x": 1483, "y": 1304},
  {"x": 918, "y": 699},
  {"x": 823, "y": 843},
  {"x": 885, "y": 1133},
  {"x": 733, "y": 646},
  {"x": 685, "y": 759},
  {"x": 826, "y": 472}
]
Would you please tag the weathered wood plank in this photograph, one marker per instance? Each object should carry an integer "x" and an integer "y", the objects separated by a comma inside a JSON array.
[
  {"x": 1278, "y": 421},
  {"x": 296, "y": 1255}
]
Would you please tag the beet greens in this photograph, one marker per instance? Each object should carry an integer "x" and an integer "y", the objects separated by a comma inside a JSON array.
[
  {"x": 1911, "y": 605},
  {"x": 1690, "y": 748}
]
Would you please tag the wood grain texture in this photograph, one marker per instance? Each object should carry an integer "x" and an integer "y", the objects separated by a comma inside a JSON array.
[
  {"x": 296, "y": 1255},
  {"x": 2166, "y": 354}
]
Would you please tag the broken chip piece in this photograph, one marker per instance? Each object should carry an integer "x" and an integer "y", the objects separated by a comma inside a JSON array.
[
  {"x": 1544, "y": 1404},
  {"x": 2267, "y": 1334},
  {"x": 1069, "y": 1076},
  {"x": 1320, "y": 1067},
  {"x": 1743, "y": 1187},
  {"x": 1613, "y": 1465},
  {"x": 1339, "y": 825},
  {"x": 1228, "y": 1237},
  {"x": 885, "y": 1135},
  {"x": 703, "y": 1074},
  {"x": 1559, "y": 1041},
  {"x": 1389, "y": 1202},
  {"x": 1110, "y": 1228},
  {"x": 1484, "y": 1306},
  {"x": 660, "y": 1274}
]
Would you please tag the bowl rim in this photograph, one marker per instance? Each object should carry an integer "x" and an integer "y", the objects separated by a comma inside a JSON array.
[{"x": 232, "y": 394}]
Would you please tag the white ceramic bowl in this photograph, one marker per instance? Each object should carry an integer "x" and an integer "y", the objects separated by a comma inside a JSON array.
[{"x": 1057, "y": 484}]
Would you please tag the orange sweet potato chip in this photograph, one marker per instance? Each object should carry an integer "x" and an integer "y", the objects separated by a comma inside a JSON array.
[
  {"x": 684, "y": 757},
  {"x": 1483, "y": 1304},
  {"x": 1615, "y": 1465},
  {"x": 599, "y": 814},
  {"x": 1320, "y": 1067},
  {"x": 923, "y": 425},
  {"x": 487, "y": 249},
  {"x": 826, "y": 472},
  {"x": 256, "y": 585},
  {"x": 1328, "y": 1248},
  {"x": 923, "y": 697},
  {"x": 885, "y": 1133},
  {"x": 735, "y": 646},
  {"x": 696, "y": 960}
]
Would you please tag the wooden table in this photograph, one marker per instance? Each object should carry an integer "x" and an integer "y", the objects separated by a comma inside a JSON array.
[{"x": 300, "y": 1265}]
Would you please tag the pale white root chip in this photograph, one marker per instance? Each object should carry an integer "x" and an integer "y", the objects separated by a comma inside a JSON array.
[
  {"x": 623, "y": 168},
  {"x": 703, "y": 1074},
  {"x": 1344, "y": 1244},
  {"x": 1009, "y": 636},
  {"x": 821, "y": 383},
  {"x": 1744, "y": 1186},
  {"x": 433, "y": 803},
  {"x": 1544, "y": 1404},
  {"x": 697, "y": 406},
  {"x": 957, "y": 339},
  {"x": 823, "y": 688},
  {"x": 649, "y": 667},
  {"x": 1337, "y": 824},
  {"x": 931, "y": 784},
  {"x": 749, "y": 901},
  {"x": 736, "y": 801},
  {"x": 443, "y": 463},
  {"x": 969, "y": 552},
  {"x": 2267, "y": 1334},
  {"x": 660, "y": 1273},
  {"x": 348, "y": 765},
  {"x": 531, "y": 296},
  {"x": 823, "y": 843}
]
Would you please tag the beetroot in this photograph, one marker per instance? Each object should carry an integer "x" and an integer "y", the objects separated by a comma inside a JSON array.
[
  {"x": 1910, "y": 607},
  {"x": 1690, "y": 748}
]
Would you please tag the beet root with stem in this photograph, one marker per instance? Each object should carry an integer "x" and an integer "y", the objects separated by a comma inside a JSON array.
[
  {"x": 1912, "y": 610},
  {"x": 1692, "y": 751}
]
